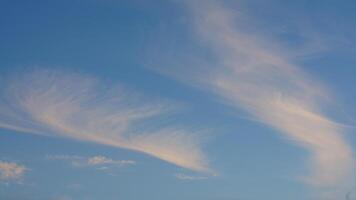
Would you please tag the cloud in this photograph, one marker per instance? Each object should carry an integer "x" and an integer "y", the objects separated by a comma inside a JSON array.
[
  {"x": 96, "y": 161},
  {"x": 80, "y": 107},
  {"x": 185, "y": 177},
  {"x": 10, "y": 171},
  {"x": 102, "y": 160},
  {"x": 247, "y": 72}
]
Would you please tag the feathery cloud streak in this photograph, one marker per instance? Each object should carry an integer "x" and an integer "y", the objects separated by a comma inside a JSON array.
[
  {"x": 249, "y": 74},
  {"x": 79, "y": 107},
  {"x": 94, "y": 161},
  {"x": 186, "y": 177}
]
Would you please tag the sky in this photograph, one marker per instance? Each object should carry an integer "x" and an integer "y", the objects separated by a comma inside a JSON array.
[{"x": 167, "y": 99}]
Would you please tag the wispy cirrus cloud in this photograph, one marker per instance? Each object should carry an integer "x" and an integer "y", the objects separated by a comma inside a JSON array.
[
  {"x": 11, "y": 171},
  {"x": 102, "y": 160},
  {"x": 274, "y": 90},
  {"x": 95, "y": 161},
  {"x": 76, "y": 106},
  {"x": 247, "y": 72},
  {"x": 186, "y": 177}
]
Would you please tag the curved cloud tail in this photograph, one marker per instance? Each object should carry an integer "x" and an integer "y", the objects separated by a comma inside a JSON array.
[
  {"x": 278, "y": 93},
  {"x": 79, "y": 107}
]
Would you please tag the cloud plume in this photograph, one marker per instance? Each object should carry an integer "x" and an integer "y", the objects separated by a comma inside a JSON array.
[
  {"x": 246, "y": 72},
  {"x": 75, "y": 106}
]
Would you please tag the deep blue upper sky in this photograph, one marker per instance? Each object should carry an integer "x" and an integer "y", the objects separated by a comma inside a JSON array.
[{"x": 213, "y": 100}]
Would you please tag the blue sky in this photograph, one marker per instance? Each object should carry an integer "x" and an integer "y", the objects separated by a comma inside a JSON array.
[{"x": 215, "y": 100}]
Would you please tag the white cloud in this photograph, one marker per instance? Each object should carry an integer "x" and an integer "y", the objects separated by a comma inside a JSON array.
[
  {"x": 248, "y": 73},
  {"x": 186, "y": 177},
  {"x": 99, "y": 161},
  {"x": 102, "y": 160},
  {"x": 10, "y": 171},
  {"x": 79, "y": 107}
]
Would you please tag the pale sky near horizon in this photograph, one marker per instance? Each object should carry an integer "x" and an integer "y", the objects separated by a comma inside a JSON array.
[{"x": 181, "y": 100}]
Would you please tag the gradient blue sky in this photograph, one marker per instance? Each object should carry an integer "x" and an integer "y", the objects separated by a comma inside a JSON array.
[{"x": 164, "y": 99}]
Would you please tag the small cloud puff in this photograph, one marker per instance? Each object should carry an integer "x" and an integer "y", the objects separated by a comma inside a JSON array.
[{"x": 11, "y": 172}]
